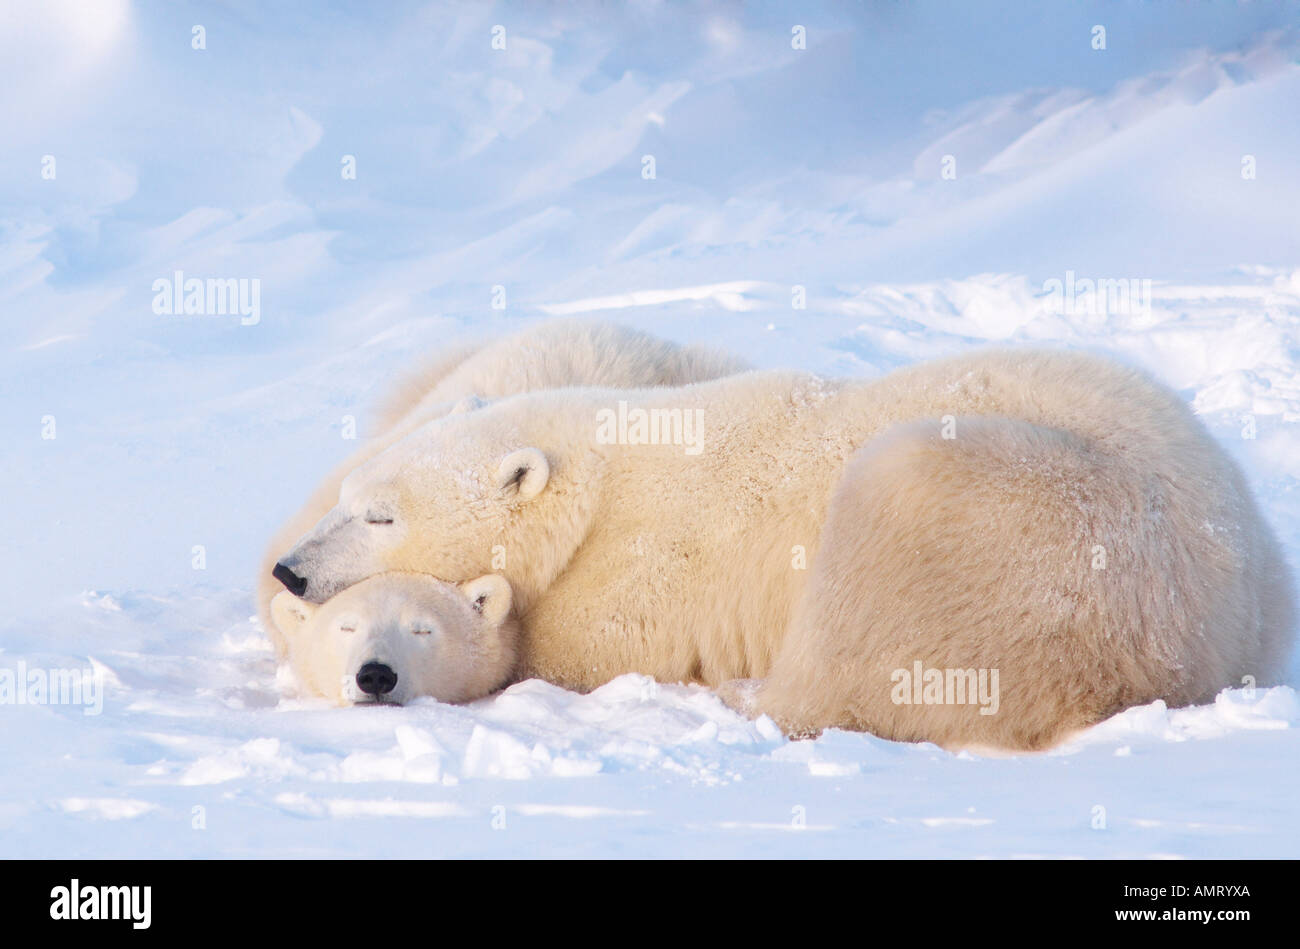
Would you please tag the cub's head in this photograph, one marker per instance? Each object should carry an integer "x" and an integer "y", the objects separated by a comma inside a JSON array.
[
  {"x": 399, "y": 636},
  {"x": 435, "y": 502}
]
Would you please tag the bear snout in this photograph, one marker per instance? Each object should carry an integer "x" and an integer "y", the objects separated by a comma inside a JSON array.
[
  {"x": 292, "y": 582},
  {"x": 376, "y": 679}
]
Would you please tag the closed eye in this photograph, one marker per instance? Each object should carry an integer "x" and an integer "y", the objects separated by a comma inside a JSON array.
[
  {"x": 422, "y": 632},
  {"x": 371, "y": 519}
]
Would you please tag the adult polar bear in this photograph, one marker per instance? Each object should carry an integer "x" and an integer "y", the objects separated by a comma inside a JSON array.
[
  {"x": 1080, "y": 533},
  {"x": 550, "y": 355}
]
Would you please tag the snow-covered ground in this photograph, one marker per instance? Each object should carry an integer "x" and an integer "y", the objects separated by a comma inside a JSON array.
[{"x": 147, "y": 457}]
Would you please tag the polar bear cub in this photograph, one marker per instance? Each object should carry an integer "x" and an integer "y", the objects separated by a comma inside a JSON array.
[{"x": 401, "y": 636}]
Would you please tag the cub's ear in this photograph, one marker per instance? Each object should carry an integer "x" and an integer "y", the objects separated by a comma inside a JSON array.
[
  {"x": 289, "y": 613},
  {"x": 525, "y": 471},
  {"x": 467, "y": 404},
  {"x": 490, "y": 596}
]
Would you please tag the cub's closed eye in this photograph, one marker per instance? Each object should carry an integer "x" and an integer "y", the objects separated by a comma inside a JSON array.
[
  {"x": 372, "y": 519},
  {"x": 422, "y": 632}
]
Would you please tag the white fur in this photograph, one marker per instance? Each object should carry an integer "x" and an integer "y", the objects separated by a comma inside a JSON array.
[
  {"x": 463, "y": 380},
  {"x": 444, "y": 642},
  {"x": 829, "y": 534}
]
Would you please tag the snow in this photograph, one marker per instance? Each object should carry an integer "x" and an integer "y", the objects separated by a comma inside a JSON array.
[{"x": 180, "y": 442}]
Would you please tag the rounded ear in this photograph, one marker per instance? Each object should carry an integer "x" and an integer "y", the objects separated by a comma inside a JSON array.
[
  {"x": 289, "y": 613},
  {"x": 525, "y": 471},
  {"x": 467, "y": 404},
  {"x": 490, "y": 596}
]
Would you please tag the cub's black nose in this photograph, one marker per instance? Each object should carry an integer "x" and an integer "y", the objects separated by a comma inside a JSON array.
[
  {"x": 375, "y": 678},
  {"x": 292, "y": 582}
]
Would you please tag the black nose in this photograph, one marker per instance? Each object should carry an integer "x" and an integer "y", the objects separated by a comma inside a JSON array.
[
  {"x": 375, "y": 678},
  {"x": 292, "y": 582}
]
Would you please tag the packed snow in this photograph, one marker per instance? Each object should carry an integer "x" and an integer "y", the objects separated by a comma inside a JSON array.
[{"x": 1103, "y": 199}]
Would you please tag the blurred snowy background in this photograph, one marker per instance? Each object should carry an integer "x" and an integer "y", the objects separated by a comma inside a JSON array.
[{"x": 924, "y": 171}]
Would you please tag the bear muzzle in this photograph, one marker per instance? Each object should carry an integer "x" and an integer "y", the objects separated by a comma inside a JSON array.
[
  {"x": 376, "y": 679},
  {"x": 292, "y": 582}
]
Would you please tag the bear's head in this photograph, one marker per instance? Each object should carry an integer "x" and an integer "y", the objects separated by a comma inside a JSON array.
[
  {"x": 401, "y": 636},
  {"x": 452, "y": 499}
]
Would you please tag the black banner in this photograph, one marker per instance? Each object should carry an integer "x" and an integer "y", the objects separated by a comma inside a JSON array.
[{"x": 373, "y": 898}]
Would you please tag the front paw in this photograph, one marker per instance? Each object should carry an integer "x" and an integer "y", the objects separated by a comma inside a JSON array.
[{"x": 741, "y": 696}]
